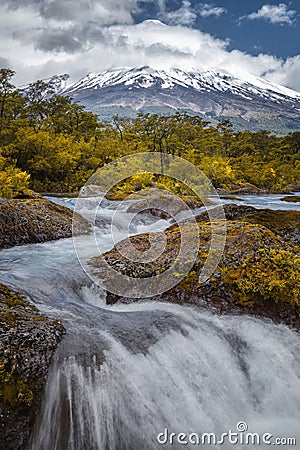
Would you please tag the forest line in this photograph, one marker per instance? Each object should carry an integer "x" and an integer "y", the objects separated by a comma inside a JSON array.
[{"x": 51, "y": 144}]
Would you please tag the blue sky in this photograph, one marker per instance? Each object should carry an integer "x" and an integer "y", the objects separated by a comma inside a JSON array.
[
  {"x": 253, "y": 36},
  {"x": 40, "y": 38}
]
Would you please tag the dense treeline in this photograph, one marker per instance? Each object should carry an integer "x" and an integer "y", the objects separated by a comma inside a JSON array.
[{"x": 52, "y": 144}]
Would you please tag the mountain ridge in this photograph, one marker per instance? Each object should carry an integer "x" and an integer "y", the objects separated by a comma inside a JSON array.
[
  {"x": 215, "y": 95},
  {"x": 194, "y": 78}
]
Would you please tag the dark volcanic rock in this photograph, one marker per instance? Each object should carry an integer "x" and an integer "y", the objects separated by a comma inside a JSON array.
[
  {"x": 258, "y": 273},
  {"x": 249, "y": 189},
  {"x": 291, "y": 198},
  {"x": 27, "y": 343},
  {"x": 163, "y": 204},
  {"x": 28, "y": 193},
  {"x": 284, "y": 223},
  {"x": 26, "y": 221},
  {"x": 232, "y": 212}
]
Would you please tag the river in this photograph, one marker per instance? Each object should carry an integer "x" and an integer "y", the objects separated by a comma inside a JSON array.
[{"x": 125, "y": 373}]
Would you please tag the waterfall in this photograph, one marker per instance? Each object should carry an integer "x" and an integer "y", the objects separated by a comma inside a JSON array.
[
  {"x": 124, "y": 374},
  {"x": 205, "y": 375}
]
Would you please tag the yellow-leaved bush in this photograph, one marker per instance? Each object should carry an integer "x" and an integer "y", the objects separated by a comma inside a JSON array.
[
  {"x": 12, "y": 180},
  {"x": 269, "y": 274}
]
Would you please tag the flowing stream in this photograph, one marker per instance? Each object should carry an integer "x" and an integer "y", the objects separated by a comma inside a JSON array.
[{"x": 125, "y": 373}]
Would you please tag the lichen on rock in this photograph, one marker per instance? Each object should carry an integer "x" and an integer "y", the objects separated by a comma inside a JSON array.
[
  {"x": 28, "y": 341},
  {"x": 283, "y": 223},
  {"x": 291, "y": 198},
  {"x": 259, "y": 271},
  {"x": 162, "y": 203},
  {"x": 33, "y": 220}
]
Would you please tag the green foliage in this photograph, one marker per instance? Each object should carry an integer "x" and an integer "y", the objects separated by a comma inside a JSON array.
[
  {"x": 269, "y": 274},
  {"x": 12, "y": 180},
  {"x": 219, "y": 170},
  {"x": 61, "y": 145},
  {"x": 138, "y": 182}
]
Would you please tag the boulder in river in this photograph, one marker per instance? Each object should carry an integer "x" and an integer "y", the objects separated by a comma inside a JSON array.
[
  {"x": 33, "y": 220},
  {"x": 259, "y": 271},
  {"x": 291, "y": 198},
  {"x": 284, "y": 223},
  {"x": 164, "y": 204}
]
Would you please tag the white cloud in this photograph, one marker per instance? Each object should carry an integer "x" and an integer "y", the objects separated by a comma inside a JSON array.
[
  {"x": 288, "y": 74},
  {"x": 276, "y": 14},
  {"x": 184, "y": 15},
  {"x": 105, "y": 12},
  {"x": 206, "y": 10},
  {"x": 187, "y": 14},
  {"x": 38, "y": 48}
]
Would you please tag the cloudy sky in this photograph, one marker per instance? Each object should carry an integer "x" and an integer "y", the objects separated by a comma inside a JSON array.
[{"x": 40, "y": 38}]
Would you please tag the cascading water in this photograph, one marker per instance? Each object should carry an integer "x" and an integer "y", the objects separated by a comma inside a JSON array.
[
  {"x": 205, "y": 376},
  {"x": 125, "y": 373}
]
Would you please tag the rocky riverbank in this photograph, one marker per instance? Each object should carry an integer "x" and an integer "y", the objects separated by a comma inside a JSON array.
[
  {"x": 291, "y": 198},
  {"x": 286, "y": 224},
  {"x": 251, "y": 189},
  {"x": 259, "y": 272},
  {"x": 28, "y": 341},
  {"x": 34, "y": 220},
  {"x": 164, "y": 204}
]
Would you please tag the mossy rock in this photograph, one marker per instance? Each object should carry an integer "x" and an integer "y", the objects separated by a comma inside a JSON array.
[
  {"x": 244, "y": 189},
  {"x": 28, "y": 193},
  {"x": 116, "y": 195},
  {"x": 258, "y": 273},
  {"x": 291, "y": 198},
  {"x": 155, "y": 194},
  {"x": 27, "y": 221},
  {"x": 231, "y": 197},
  {"x": 163, "y": 204},
  {"x": 28, "y": 341},
  {"x": 284, "y": 223}
]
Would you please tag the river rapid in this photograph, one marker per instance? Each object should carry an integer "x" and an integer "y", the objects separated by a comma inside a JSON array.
[{"x": 125, "y": 373}]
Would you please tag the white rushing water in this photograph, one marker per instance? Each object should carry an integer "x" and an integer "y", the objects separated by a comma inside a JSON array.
[
  {"x": 204, "y": 375},
  {"x": 125, "y": 373}
]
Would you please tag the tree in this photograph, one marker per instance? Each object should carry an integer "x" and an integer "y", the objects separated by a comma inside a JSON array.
[
  {"x": 6, "y": 89},
  {"x": 12, "y": 180}
]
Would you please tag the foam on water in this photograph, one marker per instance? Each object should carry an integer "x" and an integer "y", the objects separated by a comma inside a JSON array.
[{"x": 124, "y": 373}]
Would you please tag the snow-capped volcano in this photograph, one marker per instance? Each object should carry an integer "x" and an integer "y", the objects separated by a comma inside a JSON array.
[
  {"x": 249, "y": 101},
  {"x": 146, "y": 77}
]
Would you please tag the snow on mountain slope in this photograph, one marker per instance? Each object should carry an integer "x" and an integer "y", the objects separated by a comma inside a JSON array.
[
  {"x": 146, "y": 77},
  {"x": 249, "y": 102},
  {"x": 54, "y": 85}
]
